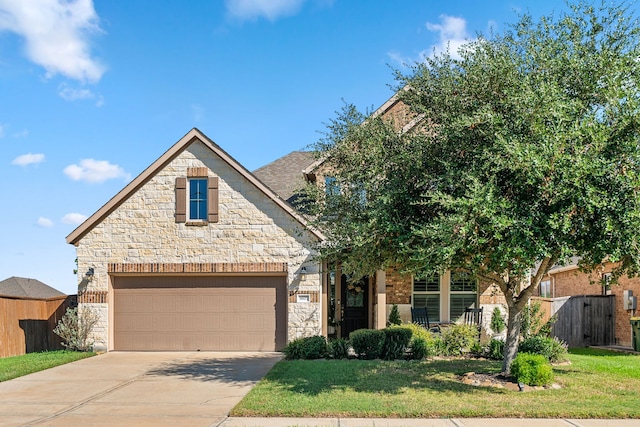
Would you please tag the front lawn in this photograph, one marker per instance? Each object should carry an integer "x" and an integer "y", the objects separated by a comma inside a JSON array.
[
  {"x": 597, "y": 384},
  {"x": 17, "y": 366}
]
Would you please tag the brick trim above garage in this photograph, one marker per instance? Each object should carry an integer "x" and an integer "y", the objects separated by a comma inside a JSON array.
[
  {"x": 92, "y": 297},
  {"x": 186, "y": 268}
]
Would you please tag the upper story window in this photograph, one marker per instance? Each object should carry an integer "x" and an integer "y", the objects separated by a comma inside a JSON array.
[
  {"x": 198, "y": 199},
  {"x": 545, "y": 289},
  {"x": 331, "y": 187}
]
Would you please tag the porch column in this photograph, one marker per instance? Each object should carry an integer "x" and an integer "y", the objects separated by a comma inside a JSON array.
[
  {"x": 324, "y": 277},
  {"x": 380, "y": 317}
]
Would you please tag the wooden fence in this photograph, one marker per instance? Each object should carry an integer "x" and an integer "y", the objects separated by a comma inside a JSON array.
[
  {"x": 583, "y": 320},
  {"x": 26, "y": 325}
]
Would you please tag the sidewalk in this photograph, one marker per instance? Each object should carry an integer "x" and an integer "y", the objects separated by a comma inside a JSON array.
[{"x": 423, "y": 422}]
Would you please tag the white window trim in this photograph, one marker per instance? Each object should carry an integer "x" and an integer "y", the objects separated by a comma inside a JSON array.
[{"x": 445, "y": 297}]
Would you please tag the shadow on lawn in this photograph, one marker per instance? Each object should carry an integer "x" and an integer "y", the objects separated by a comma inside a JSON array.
[
  {"x": 234, "y": 370},
  {"x": 316, "y": 377}
]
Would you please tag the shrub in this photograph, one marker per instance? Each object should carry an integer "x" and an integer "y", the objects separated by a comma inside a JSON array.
[
  {"x": 495, "y": 349},
  {"x": 419, "y": 348},
  {"x": 367, "y": 343},
  {"x": 531, "y": 369},
  {"x": 75, "y": 328},
  {"x": 551, "y": 348},
  {"x": 339, "y": 348},
  {"x": 306, "y": 348},
  {"x": 458, "y": 339},
  {"x": 394, "y": 316},
  {"x": 497, "y": 321},
  {"x": 396, "y": 341},
  {"x": 426, "y": 344}
]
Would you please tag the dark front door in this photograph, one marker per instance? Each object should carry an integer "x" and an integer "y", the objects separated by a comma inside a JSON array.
[{"x": 355, "y": 305}]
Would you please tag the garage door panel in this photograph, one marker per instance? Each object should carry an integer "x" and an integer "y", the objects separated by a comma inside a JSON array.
[{"x": 207, "y": 313}]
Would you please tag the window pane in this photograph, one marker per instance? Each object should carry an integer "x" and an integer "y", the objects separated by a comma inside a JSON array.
[
  {"x": 198, "y": 199},
  {"x": 458, "y": 302},
  {"x": 432, "y": 302},
  {"x": 545, "y": 289},
  {"x": 461, "y": 281},
  {"x": 431, "y": 284}
]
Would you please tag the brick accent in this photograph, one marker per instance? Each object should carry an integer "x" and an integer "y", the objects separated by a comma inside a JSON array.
[
  {"x": 313, "y": 296},
  {"x": 186, "y": 268},
  {"x": 575, "y": 282},
  {"x": 92, "y": 297},
  {"x": 197, "y": 172},
  {"x": 398, "y": 287}
]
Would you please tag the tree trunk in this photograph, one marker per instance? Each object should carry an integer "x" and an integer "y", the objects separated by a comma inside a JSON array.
[{"x": 514, "y": 318}]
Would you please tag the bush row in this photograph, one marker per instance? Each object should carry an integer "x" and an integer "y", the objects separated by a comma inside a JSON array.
[{"x": 408, "y": 341}]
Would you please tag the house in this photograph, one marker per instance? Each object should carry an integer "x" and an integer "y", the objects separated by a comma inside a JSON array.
[
  {"x": 367, "y": 304},
  {"x": 29, "y": 311},
  {"x": 197, "y": 253}
]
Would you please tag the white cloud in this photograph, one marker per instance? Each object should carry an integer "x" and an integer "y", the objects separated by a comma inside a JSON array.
[
  {"x": 91, "y": 170},
  {"x": 74, "y": 218},
  {"x": 28, "y": 159},
  {"x": 22, "y": 134},
  {"x": 452, "y": 33},
  {"x": 269, "y": 9},
  {"x": 56, "y": 34},
  {"x": 45, "y": 222},
  {"x": 69, "y": 93}
]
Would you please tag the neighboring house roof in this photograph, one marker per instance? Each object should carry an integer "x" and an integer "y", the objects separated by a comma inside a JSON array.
[
  {"x": 285, "y": 175},
  {"x": 192, "y": 136},
  {"x": 27, "y": 288}
]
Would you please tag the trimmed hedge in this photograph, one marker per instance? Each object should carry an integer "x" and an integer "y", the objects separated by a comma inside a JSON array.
[
  {"x": 306, "y": 348},
  {"x": 368, "y": 343},
  {"x": 396, "y": 341}
]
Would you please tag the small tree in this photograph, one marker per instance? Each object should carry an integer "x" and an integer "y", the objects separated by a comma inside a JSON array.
[
  {"x": 394, "y": 316},
  {"x": 497, "y": 321},
  {"x": 75, "y": 329}
]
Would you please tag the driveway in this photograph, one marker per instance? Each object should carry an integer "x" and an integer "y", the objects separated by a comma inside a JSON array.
[{"x": 134, "y": 388}]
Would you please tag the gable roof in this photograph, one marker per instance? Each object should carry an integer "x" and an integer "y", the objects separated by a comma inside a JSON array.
[
  {"x": 27, "y": 288},
  {"x": 194, "y": 135},
  {"x": 285, "y": 175},
  {"x": 386, "y": 108}
]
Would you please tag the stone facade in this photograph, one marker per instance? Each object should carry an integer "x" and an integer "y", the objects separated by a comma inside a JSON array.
[{"x": 252, "y": 228}]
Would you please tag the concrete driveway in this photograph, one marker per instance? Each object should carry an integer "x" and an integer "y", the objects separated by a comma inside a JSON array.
[{"x": 134, "y": 388}]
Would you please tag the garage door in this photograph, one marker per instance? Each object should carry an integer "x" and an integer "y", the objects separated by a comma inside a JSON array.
[{"x": 199, "y": 313}]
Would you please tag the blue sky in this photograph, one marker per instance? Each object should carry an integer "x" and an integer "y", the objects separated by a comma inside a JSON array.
[{"x": 92, "y": 92}]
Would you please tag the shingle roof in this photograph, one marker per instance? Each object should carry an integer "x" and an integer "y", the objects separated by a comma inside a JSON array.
[
  {"x": 284, "y": 175},
  {"x": 27, "y": 288}
]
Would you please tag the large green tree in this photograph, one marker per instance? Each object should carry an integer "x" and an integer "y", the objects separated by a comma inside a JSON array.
[{"x": 523, "y": 151}]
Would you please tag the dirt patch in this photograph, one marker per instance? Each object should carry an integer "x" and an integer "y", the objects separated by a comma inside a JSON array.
[{"x": 500, "y": 381}]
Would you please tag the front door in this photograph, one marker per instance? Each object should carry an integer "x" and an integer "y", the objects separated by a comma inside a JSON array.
[{"x": 355, "y": 305}]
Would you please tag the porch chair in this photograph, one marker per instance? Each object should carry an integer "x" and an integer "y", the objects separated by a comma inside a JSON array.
[
  {"x": 473, "y": 317},
  {"x": 421, "y": 317}
]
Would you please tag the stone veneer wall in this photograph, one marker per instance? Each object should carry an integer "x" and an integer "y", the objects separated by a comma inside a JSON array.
[{"x": 251, "y": 229}]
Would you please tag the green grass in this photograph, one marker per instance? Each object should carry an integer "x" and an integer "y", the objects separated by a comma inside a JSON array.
[
  {"x": 17, "y": 366},
  {"x": 597, "y": 384}
]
